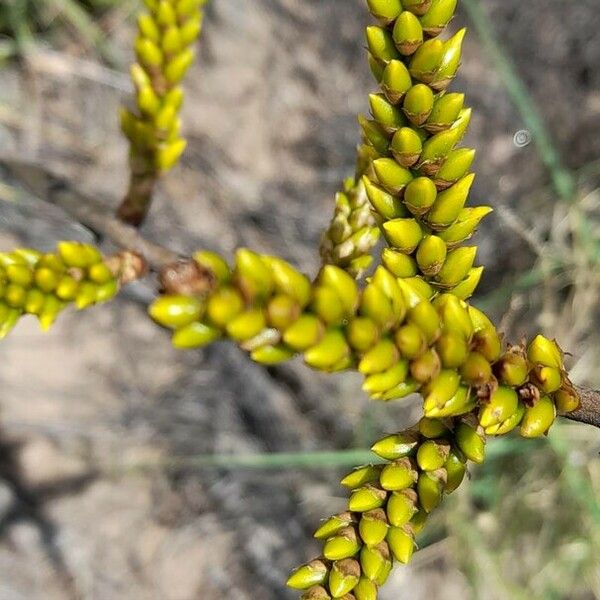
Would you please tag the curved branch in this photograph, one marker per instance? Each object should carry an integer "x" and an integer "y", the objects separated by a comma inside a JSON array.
[
  {"x": 589, "y": 411},
  {"x": 86, "y": 210}
]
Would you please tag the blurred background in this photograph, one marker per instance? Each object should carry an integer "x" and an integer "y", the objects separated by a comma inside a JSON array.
[{"x": 130, "y": 470}]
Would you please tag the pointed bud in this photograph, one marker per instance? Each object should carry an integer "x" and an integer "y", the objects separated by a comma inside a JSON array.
[
  {"x": 441, "y": 389},
  {"x": 374, "y": 135},
  {"x": 397, "y": 445},
  {"x": 567, "y": 400},
  {"x": 432, "y": 455},
  {"x": 538, "y": 419},
  {"x": 406, "y": 146},
  {"x": 476, "y": 369},
  {"x": 471, "y": 442},
  {"x": 332, "y": 526},
  {"x": 329, "y": 351},
  {"x": 316, "y": 593},
  {"x": 176, "y": 68},
  {"x": 361, "y": 476},
  {"x": 453, "y": 349},
  {"x": 461, "y": 403},
  {"x": 402, "y": 543},
  {"x": 418, "y": 103},
  {"x": 344, "y": 544},
  {"x": 426, "y": 317},
  {"x": 271, "y": 355},
  {"x": 373, "y": 559},
  {"x": 456, "y": 166},
  {"x": 425, "y": 62},
  {"x": 373, "y": 527},
  {"x": 288, "y": 280},
  {"x": 386, "y": 10},
  {"x": 445, "y": 111},
  {"x": 381, "y": 44},
  {"x": 344, "y": 577},
  {"x": 450, "y": 61},
  {"x": 176, "y": 311},
  {"x": 406, "y": 388},
  {"x": 449, "y": 203},
  {"x": 399, "y": 264},
  {"x": 327, "y": 305},
  {"x": 395, "y": 81},
  {"x": 431, "y": 255},
  {"x": 429, "y": 488},
  {"x": 379, "y": 383},
  {"x": 398, "y": 475},
  {"x": 407, "y": 33},
  {"x": 387, "y": 205},
  {"x": 367, "y": 498},
  {"x": 456, "y": 470},
  {"x": 457, "y": 266},
  {"x": 502, "y": 404},
  {"x": 306, "y": 332},
  {"x": 389, "y": 117},
  {"x": 435, "y": 20},
  {"x": 391, "y": 175},
  {"x": 147, "y": 52},
  {"x": 420, "y": 195},
  {"x": 194, "y": 335},
  {"x": 380, "y": 358},
  {"x": 548, "y": 379},
  {"x": 465, "y": 289},
  {"x": 344, "y": 285},
  {"x": 545, "y": 352},
  {"x": 313, "y": 573},
  {"x": 365, "y": 589},
  {"x": 438, "y": 147},
  {"x": 403, "y": 234}
]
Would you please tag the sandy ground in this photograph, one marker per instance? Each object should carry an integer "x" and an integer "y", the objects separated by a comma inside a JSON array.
[{"x": 271, "y": 122}]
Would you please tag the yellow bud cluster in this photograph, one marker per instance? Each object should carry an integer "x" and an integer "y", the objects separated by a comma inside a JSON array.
[
  {"x": 352, "y": 234},
  {"x": 164, "y": 51},
  {"x": 44, "y": 284},
  {"x": 404, "y": 336},
  {"x": 419, "y": 180}
]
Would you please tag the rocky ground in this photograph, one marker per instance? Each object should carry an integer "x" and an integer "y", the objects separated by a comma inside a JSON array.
[{"x": 271, "y": 122}]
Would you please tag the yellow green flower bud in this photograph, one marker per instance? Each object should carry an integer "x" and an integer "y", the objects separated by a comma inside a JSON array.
[
  {"x": 452, "y": 349},
  {"x": 328, "y": 352},
  {"x": 194, "y": 335},
  {"x": 430, "y": 487},
  {"x": 403, "y": 234},
  {"x": 454, "y": 167},
  {"x": 246, "y": 325},
  {"x": 406, "y": 146},
  {"x": 435, "y": 20},
  {"x": 343, "y": 284},
  {"x": 343, "y": 577},
  {"x": 417, "y": 7},
  {"x": 391, "y": 176},
  {"x": 395, "y": 81},
  {"x": 502, "y": 404},
  {"x": 432, "y": 455},
  {"x": 432, "y": 428},
  {"x": 398, "y": 475},
  {"x": 373, "y": 559},
  {"x": 386, "y": 10},
  {"x": 441, "y": 389},
  {"x": 476, "y": 369},
  {"x": 456, "y": 267},
  {"x": 397, "y": 445},
  {"x": 306, "y": 332},
  {"x": 461, "y": 403},
  {"x": 426, "y": 367},
  {"x": 418, "y": 104},
  {"x": 386, "y": 204},
  {"x": 365, "y": 590},
  {"x": 445, "y": 111},
  {"x": 398, "y": 263},
  {"x": 288, "y": 280},
  {"x": 344, "y": 544},
  {"x": 508, "y": 425},
  {"x": 544, "y": 352},
  {"x": 378, "y": 383},
  {"x": 456, "y": 470},
  {"x": 426, "y": 60},
  {"x": 402, "y": 543},
  {"x": 271, "y": 355},
  {"x": 407, "y": 33},
  {"x": 547, "y": 379},
  {"x": 332, "y": 526},
  {"x": 388, "y": 116},
  {"x": 450, "y": 202},
  {"x": 471, "y": 442},
  {"x": 316, "y": 593},
  {"x": 379, "y": 358},
  {"x": 373, "y": 527},
  {"x": 381, "y": 44},
  {"x": 538, "y": 418},
  {"x": 176, "y": 311},
  {"x": 450, "y": 62},
  {"x": 361, "y": 476},
  {"x": 431, "y": 255},
  {"x": 313, "y": 573},
  {"x": 513, "y": 369},
  {"x": 374, "y": 135}
]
